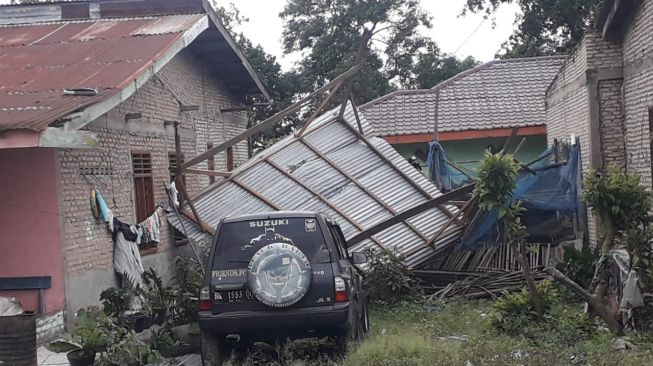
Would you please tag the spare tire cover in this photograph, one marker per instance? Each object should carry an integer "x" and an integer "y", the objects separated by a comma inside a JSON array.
[{"x": 279, "y": 275}]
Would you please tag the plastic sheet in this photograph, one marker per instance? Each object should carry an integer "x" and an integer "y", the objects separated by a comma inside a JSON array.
[{"x": 549, "y": 190}]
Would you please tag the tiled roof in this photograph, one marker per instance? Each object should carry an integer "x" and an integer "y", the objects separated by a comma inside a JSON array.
[{"x": 498, "y": 94}]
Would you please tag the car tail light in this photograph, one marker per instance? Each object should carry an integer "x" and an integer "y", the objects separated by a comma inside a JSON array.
[
  {"x": 205, "y": 298},
  {"x": 341, "y": 289}
]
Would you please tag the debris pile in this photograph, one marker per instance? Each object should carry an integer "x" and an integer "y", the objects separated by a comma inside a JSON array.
[{"x": 442, "y": 284}]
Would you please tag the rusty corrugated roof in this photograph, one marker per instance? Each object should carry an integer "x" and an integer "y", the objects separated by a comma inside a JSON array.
[{"x": 39, "y": 61}]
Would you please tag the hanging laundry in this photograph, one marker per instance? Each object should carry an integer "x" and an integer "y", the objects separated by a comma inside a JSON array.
[
  {"x": 128, "y": 231},
  {"x": 173, "y": 193},
  {"x": 127, "y": 258},
  {"x": 152, "y": 227}
]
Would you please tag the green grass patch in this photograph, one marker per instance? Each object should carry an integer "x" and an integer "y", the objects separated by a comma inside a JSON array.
[{"x": 460, "y": 333}]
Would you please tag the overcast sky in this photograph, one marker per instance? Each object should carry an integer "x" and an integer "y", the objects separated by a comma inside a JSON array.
[{"x": 470, "y": 35}]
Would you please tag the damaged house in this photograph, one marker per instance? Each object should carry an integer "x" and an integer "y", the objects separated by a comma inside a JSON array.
[
  {"x": 90, "y": 96},
  {"x": 470, "y": 112},
  {"x": 603, "y": 94}
]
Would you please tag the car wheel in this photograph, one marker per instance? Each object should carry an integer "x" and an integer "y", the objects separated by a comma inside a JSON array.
[
  {"x": 215, "y": 351},
  {"x": 348, "y": 335},
  {"x": 344, "y": 340}
]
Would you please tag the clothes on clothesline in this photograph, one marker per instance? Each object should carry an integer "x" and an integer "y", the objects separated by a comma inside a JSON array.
[{"x": 127, "y": 237}]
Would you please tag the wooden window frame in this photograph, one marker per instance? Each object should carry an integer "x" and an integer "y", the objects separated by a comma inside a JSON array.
[
  {"x": 173, "y": 175},
  {"x": 144, "y": 201}
]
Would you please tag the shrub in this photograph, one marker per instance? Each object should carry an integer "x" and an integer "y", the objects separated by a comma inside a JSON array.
[
  {"x": 130, "y": 351},
  {"x": 185, "y": 295},
  {"x": 579, "y": 265},
  {"x": 514, "y": 311},
  {"x": 387, "y": 279}
]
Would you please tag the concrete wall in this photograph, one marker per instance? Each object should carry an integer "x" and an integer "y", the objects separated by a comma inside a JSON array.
[
  {"x": 30, "y": 236},
  {"x": 88, "y": 248}
]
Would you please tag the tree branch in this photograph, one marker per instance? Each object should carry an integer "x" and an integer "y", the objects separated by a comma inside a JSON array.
[{"x": 614, "y": 325}]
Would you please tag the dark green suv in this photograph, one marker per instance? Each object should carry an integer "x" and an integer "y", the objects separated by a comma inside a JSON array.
[{"x": 277, "y": 276}]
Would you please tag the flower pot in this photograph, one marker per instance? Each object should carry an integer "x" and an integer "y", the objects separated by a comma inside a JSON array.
[
  {"x": 80, "y": 358},
  {"x": 159, "y": 315},
  {"x": 138, "y": 321}
]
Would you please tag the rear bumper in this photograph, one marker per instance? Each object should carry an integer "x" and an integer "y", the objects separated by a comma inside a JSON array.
[{"x": 276, "y": 323}]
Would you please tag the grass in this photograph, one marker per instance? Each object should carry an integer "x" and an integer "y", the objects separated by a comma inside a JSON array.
[{"x": 460, "y": 333}]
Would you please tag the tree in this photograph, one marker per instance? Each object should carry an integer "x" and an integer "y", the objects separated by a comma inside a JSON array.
[
  {"x": 496, "y": 180},
  {"x": 547, "y": 27},
  {"x": 282, "y": 86},
  {"x": 433, "y": 68},
  {"x": 383, "y": 34},
  {"x": 622, "y": 205}
]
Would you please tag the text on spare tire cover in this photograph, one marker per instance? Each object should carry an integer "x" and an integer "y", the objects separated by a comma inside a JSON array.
[{"x": 279, "y": 274}]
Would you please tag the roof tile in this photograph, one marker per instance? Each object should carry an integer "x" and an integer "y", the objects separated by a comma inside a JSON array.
[{"x": 498, "y": 94}]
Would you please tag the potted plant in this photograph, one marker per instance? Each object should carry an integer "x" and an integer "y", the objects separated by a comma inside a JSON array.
[
  {"x": 130, "y": 351},
  {"x": 156, "y": 295},
  {"x": 89, "y": 337},
  {"x": 117, "y": 302}
]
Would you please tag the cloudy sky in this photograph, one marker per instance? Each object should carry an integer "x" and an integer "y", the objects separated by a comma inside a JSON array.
[{"x": 468, "y": 35}]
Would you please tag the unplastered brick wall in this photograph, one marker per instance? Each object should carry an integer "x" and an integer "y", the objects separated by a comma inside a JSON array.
[
  {"x": 568, "y": 113},
  {"x": 87, "y": 241},
  {"x": 602, "y": 53},
  {"x": 611, "y": 120},
  {"x": 638, "y": 88}
]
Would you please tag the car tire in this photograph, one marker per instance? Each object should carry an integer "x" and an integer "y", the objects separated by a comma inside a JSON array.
[
  {"x": 215, "y": 351},
  {"x": 348, "y": 335}
]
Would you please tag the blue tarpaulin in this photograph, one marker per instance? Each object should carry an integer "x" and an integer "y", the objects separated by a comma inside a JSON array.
[{"x": 549, "y": 191}]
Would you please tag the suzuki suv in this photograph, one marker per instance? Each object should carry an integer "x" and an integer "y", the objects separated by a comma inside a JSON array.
[{"x": 278, "y": 276}]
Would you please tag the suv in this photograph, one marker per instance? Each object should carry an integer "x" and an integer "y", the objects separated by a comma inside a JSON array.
[{"x": 277, "y": 276}]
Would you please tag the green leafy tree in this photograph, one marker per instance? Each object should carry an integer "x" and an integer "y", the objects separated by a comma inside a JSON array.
[
  {"x": 622, "y": 205},
  {"x": 495, "y": 182},
  {"x": 384, "y": 34},
  {"x": 546, "y": 27},
  {"x": 282, "y": 86}
]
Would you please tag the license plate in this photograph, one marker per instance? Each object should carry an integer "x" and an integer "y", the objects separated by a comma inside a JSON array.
[{"x": 233, "y": 296}]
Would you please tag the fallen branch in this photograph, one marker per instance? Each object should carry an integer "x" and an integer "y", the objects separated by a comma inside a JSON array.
[{"x": 605, "y": 314}]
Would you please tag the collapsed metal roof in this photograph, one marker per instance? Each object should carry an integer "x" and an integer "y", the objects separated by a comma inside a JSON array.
[{"x": 357, "y": 179}]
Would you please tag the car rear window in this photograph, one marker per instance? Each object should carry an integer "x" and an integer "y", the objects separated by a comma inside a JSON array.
[{"x": 238, "y": 241}]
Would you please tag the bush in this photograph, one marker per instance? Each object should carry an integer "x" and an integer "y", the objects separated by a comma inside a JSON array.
[
  {"x": 579, "y": 265},
  {"x": 514, "y": 311},
  {"x": 388, "y": 281},
  {"x": 184, "y": 297}
]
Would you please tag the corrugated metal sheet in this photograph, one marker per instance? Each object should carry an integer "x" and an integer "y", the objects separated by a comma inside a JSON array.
[
  {"x": 39, "y": 61},
  {"x": 369, "y": 191}
]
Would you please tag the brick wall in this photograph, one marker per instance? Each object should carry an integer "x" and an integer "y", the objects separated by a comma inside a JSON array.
[
  {"x": 638, "y": 88},
  {"x": 568, "y": 112},
  {"x": 611, "y": 121},
  {"x": 87, "y": 242}
]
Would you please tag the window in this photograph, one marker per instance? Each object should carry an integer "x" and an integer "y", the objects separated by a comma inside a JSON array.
[
  {"x": 143, "y": 184},
  {"x": 339, "y": 239},
  {"x": 211, "y": 162},
  {"x": 172, "y": 165}
]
